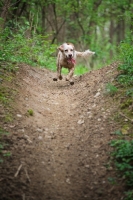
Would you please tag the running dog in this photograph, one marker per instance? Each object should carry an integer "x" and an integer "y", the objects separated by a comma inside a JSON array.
[{"x": 67, "y": 58}]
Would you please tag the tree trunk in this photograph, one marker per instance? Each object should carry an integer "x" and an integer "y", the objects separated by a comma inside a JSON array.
[
  {"x": 120, "y": 31},
  {"x": 111, "y": 34},
  {"x": 93, "y": 18},
  {"x": 4, "y": 13}
]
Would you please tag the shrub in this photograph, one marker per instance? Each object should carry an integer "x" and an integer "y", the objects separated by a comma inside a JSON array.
[
  {"x": 126, "y": 66},
  {"x": 36, "y": 51},
  {"x": 123, "y": 157}
]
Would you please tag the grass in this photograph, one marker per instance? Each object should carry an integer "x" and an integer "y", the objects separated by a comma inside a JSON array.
[
  {"x": 30, "y": 112},
  {"x": 110, "y": 89},
  {"x": 79, "y": 70},
  {"x": 123, "y": 159}
]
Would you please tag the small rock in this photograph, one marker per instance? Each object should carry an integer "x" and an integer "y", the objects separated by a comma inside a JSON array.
[
  {"x": 87, "y": 166},
  {"x": 97, "y": 94},
  {"x": 40, "y": 138},
  {"x": 28, "y": 139},
  {"x": 12, "y": 126},
  {"x": 99, "y": 120},
  {"x": 22, "y": 130},
  {"x": 48, "y": 136},
  {"x": 18, "y": 115},
  {"x": 94, "y": 105},
  {"x": 39, "y": 130},
  {"x": 72, "y": 128},
  {"x": 68, "y": 181},
  {"x": 89, "y": 112},
  {"x": 90, "y": 117},
  {"x": 81, "y": 121}
]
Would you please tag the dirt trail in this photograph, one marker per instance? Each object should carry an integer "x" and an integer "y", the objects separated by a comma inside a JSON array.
[{"x": 62, "y": 150}]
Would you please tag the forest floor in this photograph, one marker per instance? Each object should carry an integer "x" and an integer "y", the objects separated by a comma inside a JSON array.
[{"x": 62, "y": 152}]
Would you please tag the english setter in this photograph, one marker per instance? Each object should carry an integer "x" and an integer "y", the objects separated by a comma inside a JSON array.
[{"x": 67, "y": 58}]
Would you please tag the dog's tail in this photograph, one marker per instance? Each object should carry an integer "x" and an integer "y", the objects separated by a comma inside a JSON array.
[{"x": 85, "y": 54}]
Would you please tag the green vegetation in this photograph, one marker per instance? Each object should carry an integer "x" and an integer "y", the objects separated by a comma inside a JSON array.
[
  {"x": 122, "y": 154},
  {"x": 30, "y": 112},
  {"x": 111, "y": 89},
  {"x": 126, "y": 66},
  {"x": 123, "y": 159},
  {"x": 35, "y": 51},
  {"x": 78, "y": 70}
]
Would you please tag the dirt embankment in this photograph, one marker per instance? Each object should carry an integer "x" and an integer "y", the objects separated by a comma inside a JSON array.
[{"x": 61, "y": 152}]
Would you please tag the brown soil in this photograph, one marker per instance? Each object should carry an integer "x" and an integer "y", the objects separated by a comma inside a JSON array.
[{"x": 62, "y": 151}]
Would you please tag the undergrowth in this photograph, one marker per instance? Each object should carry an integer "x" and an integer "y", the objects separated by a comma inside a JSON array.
[
  {"x": 17, "y": 48},
  {"x": 123, "y": 146},
  {"x": 123, "y": 159},
  {"x": 126, "y": 66}
]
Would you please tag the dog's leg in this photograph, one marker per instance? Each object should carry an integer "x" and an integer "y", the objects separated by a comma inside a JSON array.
[
  {"x": 59, "y": 67},
  {"x": 59, "y": 72},
  {"x": 69, "y": 76},
  {"x": 59, "y": 76}
]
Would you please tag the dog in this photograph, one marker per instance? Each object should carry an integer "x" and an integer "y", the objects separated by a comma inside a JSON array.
[{"x": 66, "y": 58}]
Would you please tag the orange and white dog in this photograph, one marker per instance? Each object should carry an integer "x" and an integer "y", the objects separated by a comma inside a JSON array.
[{"x": 67, "y": 58}]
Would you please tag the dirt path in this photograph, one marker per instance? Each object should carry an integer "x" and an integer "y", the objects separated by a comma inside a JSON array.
[{"x": 61, "y": 152}]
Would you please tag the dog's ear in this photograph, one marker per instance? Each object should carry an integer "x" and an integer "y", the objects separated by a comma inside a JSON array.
[{"x": 61, "y": 48}]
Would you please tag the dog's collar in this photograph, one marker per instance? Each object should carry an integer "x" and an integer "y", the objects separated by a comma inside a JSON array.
[{"x": 71, "y": 60}]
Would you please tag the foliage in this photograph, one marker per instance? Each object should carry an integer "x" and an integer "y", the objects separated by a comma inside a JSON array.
[
  {"x": 123, "y": 158},
  {"x": 129, "y": 195},
  {"x": 126, "y": 66},
  {"x": 129, "y": 92},
  {"x": 30, "y": 112},
  {"x": 17, "y": 48}
]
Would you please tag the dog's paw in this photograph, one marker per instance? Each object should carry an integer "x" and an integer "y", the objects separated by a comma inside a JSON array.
[
  {"x": 71, "y": 82},
  {"x": 60, "y": 77},
  {"x": 54, "y": 79}
]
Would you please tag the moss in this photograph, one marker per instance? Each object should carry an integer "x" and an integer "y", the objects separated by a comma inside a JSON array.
[{"x": 126, "y": 104}]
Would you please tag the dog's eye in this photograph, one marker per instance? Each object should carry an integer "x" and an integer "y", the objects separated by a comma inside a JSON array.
[
  {"x": 71, "y": 49},
  {"x": 66, "y": 50}
]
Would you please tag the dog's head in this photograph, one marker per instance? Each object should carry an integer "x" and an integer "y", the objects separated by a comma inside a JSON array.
[{"x": 68, "y": 50}]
